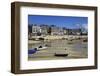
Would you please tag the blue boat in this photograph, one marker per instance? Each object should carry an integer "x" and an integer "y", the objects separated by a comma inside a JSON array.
[{"x": 32, "y": 51}]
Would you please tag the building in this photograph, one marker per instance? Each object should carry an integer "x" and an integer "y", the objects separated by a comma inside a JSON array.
[
  {"x": 36, "y": 30},
  {"x": 56, "y": 30},
  {"x": 60, "y": 31},
  {"x": 65, "y": 31},
  {"x": 44, "y": 29},
  {"x": 74, "y": 31}
]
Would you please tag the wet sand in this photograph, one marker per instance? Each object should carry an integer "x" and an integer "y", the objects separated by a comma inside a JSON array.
[{"x": 75, "y": 49}]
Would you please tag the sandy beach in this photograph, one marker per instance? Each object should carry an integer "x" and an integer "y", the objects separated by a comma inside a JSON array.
[{"x": 74, "y": 47}]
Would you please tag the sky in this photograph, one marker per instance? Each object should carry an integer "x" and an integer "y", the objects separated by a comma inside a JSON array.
[{"x": 59, "y": 21}]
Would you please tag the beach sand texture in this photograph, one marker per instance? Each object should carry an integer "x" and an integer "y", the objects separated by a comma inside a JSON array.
[{"x": 75, "y": 48}]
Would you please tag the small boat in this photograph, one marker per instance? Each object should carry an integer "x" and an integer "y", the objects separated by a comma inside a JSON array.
[
  {"x": 32, "y": 51},
  {"x": 41, "y": 48},
  {"x": 62, "y": 53}
]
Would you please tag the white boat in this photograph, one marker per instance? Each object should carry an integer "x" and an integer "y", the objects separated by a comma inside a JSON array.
[{"x": 41, "y": 48}]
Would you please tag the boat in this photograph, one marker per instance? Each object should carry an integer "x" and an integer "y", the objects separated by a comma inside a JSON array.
[
  {"x": 41, "y": 48},
  {"x": 62, "y": 53},
  {"x": 32, "y": 51}
]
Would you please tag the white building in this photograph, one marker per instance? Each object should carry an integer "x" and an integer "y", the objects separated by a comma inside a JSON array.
[{"x": 36, "y": 30}]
